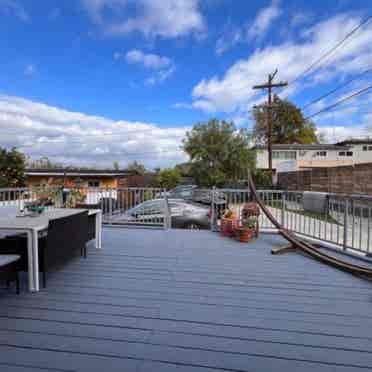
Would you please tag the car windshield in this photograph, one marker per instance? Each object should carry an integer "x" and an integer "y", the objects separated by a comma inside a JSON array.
[{"x": 150, "y": 207}]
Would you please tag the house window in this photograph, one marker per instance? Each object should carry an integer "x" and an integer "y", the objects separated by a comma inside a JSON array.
[
  {"x": 367, "y": 148},
  {"x": 321, "y": 153},
  {"x": 284, "y": 155},
  {"x": 342, "y": 153},
  {"x": 349, "y": 153},
  {"x": 93, "y": 183}
]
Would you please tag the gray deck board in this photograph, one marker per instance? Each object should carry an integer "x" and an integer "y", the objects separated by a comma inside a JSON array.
[{"x": 155, "y": 300}]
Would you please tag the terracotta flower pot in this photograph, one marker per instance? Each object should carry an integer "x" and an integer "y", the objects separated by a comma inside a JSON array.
[
  {"x": 244, "y": 234},
  {"x": 228, "y": 226}
]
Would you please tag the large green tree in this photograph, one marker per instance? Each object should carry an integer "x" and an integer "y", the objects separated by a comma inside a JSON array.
[
  {"x": 167, "y": 178},
  {"x": 288, "y": 124},
  {"x": 137, "y": 167},
  {"x": 219, "y": 153},
  {"x": 12, "y": 168}
]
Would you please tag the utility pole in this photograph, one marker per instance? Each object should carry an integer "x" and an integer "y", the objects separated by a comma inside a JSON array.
[{"x": 269, "y": 86}]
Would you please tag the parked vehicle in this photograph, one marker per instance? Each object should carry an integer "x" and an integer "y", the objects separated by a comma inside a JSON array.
[
  {"x": 184, "y": 214},
  {"x": 182, "y": 192},
  {"x": 205, "y": 196},
  {"x": 201, "y": 196}
]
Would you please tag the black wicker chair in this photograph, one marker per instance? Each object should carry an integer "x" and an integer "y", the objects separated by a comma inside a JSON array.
[
  {"x": 65, "y": 237},
  {"x": 9, "y": 267}
]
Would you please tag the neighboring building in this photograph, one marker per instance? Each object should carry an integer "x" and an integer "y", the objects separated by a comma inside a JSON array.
[
  {"x": 362, "y": 149},
  {"x": 294, "y": 157},
  {"x": 78, "y": 177}
]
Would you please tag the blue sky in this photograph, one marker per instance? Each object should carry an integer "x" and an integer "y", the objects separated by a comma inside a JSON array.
[{"x": 74, "y": 72}]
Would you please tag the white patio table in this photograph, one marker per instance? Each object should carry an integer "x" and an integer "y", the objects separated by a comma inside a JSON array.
[{"x": 11, "y": 223}]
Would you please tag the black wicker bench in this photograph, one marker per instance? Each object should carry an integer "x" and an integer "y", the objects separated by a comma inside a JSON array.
[
  {"x": 9, "y": 267},
  {"x": 66, "y": 237}
]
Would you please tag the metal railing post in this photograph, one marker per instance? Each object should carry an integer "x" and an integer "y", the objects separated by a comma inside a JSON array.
[
  {"x": 110, "y": 204},
  {"x": 213, "y": 208},
  {"x": 167, "y": 218},
  {"x": 283, "y": 209},
  {"x": 346, "y": 219}
]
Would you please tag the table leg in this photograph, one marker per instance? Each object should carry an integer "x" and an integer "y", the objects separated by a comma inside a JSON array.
[
  {"x": 98, "y": 231},
  {"x": 35, "y": 246},
  {"x": 31, "y": 277}
]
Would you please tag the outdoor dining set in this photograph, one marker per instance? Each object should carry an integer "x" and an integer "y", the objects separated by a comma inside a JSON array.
[{"x": 41, "y": 241}]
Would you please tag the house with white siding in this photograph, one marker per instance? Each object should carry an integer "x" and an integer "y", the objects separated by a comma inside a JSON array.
[{"x": 292, "y": 157}]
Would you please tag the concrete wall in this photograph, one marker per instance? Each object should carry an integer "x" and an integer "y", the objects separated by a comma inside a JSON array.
[{"x": 356, "y": 179}]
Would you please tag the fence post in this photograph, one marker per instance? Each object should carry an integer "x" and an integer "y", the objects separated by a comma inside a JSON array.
[
  {"x": 213, "y": 208},
  {"x": 110, "y": 204},
  {"x": 167, "y": 219},
  {"x": 346, "y": 219},
  {"x": 283, "y": 209}
]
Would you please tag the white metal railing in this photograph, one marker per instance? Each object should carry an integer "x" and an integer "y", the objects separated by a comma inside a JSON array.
[
  {"x": 125, "y": 206},
  {"x": 345, "y": 221}
]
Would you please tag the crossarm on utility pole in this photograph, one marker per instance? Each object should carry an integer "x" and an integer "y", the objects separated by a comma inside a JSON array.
[{"x": 269, "y": 86}]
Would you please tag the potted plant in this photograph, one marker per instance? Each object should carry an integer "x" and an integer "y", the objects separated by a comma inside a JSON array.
[
  {"x": 246, "y": 230},
  {"x": 74, "y": 198},
  {"x": 250, "y": 210},
  {"x": 228, "y": 223}
]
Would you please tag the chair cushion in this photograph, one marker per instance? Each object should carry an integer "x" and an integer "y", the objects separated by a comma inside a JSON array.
[{"x": 6, "y": 259}]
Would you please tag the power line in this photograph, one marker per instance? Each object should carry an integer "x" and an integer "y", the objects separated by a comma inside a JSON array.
[
  {"x": 336, "y": 89},
  {"x": 358, "y": 93},
  {"x": 330, "y": 51}
]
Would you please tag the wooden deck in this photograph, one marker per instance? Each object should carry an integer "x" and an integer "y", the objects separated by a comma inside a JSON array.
[{"x": 189, "y": 301}]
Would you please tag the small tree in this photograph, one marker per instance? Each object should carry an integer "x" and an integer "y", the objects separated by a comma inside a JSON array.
[
  {"x": 168, "y": 178},
  {"x": 116, "y": 165},
  {"x": 262, "y": 179},
  {"x": 219, "y": 153},
  {"x": 136, "y": 167},
  {"x": 288, "y": 124},
  {"x": 12, "y": 168}
]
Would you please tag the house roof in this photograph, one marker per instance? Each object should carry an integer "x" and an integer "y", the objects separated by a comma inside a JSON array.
[
  {"x": 77, "y": 172},
  {"x": 297, "y": 146},
  {"x": 355, "y": 141}
]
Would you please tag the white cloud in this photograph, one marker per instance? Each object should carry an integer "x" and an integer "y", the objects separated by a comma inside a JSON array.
[
  {"x": 80, "y": 139},
  {"x": 152, "y": 18},
  {"x": 204, "y": 105},
  {"x": 182, "y": 105},
  {"x": 164, "y": 66},
  {"x": 29, "y": 70},
  {"x": 160, "y": 76},
  {"x": 264, "y": 19},
  {"x": 152, "y": 61},
  {"x": 333, "y": 134},
  {"x": 13, "y": 7},
  {"x": 233, "y": 91},
  {"x": 300, "y": 18},
  {"x": 230, "y": 37}
]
